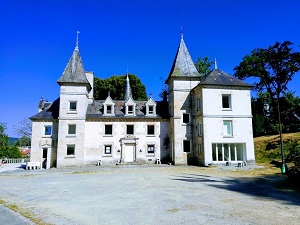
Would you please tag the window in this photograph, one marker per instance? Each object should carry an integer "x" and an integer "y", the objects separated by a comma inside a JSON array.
[
  {"x": 107, "y": 149},
  {"x": 151, "y": 109},
  {"x": 70, "y": 149},
  {"x": 150, "y": 149},
  {"x": 72, "y": 129},
  {"x": 199, "y": 129},
  {"x": 198, "y": 104},
  {"x": 150, "y": 129},
  {"x": 130, "y": 109},
  {"x": 129, "y": 129},
  {"x": 226, "y": 101},
  {"x": 227, "y": 151},
  {"x": 48, "y": 130},
  {"x": 73, "y": 106},
  {"x": 186, "y": 118},
  {"x": 108, "y": 109},
  {"x": 227, "y": 128},
  {"x": 186, "y": 146},
  {"x": 108, "y": 129}
]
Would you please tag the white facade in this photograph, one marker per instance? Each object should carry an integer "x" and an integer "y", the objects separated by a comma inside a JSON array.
[{"x": 207, "y": 120}]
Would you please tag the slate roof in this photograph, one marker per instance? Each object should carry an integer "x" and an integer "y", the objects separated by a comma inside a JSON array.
[
  {"x": 50, "y": 111},
  {"x": 183, "y": 65},
  {"x": 74, "y": 71},
  {"x": 220, "y": 78},
  {"x": 96, "y": 110}
]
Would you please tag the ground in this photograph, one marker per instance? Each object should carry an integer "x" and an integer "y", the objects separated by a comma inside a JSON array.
[{"x": 157, "y": 194}]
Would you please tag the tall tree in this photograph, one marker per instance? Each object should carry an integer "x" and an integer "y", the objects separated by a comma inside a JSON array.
[
  {"x": 23, "y": 128},
  {"x": 4, "y": 139},
  {"x": 203, "y": 65},
  {"x": 273, "y": 67},
  {"x": 115, "y": 85}
]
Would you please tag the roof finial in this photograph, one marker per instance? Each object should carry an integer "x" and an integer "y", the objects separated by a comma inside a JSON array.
[
  {"x": 127, "y": 88},
  {"x": 77, "y": 41},
  {"x": 181, "y": 30},
  {"x": 216, "y": 66}
]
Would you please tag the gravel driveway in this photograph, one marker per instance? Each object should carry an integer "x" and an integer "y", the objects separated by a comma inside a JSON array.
[{"x": 149, "y": 195}]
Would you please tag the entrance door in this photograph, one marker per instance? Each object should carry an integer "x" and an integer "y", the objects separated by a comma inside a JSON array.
[
  {"x": 129, "y": 153},
  {"x": 44, "y": 159}
]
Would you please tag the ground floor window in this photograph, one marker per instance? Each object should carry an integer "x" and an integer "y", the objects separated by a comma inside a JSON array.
[
  {"x": 70, "y": 149},
  {"x": 150, "y": 149},
  {"x": 186, "y": 145},
  {"x": 107, "y": 149},
  {"x": 227, "y": 152}
]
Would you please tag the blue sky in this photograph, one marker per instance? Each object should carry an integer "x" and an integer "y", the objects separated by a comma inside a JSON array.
[{"x": 38, "y": 38}]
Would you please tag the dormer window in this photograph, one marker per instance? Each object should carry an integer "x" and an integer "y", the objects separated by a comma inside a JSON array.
[
  {"x": 108, "y": 109},
  {"x": 130, "y": 110},
  {"x": 151, "y": 108}
]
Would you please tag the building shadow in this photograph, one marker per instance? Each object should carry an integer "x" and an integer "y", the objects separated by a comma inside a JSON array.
[{"x": 274, "y": 187}]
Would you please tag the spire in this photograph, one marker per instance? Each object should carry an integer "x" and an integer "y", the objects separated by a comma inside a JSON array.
[
  {"x": 77, "y": 41},
  {"x": 183, "y": 65},
  {"x": 74, "y": 72},
  {"x": 127, "y": 94},
  {"x": 216, "y": 66}
]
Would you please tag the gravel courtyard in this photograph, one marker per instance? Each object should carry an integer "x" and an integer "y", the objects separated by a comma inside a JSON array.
[{"x": 149, "y": 195}]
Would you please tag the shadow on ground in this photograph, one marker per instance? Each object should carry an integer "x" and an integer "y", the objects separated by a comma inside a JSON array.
[{"x": 273, "y": 187}]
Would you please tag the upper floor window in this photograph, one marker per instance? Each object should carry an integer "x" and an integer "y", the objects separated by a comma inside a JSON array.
[
  {"x": 151, "y": 109},
  {"x": 129, "y": 129},
  {"x": 186, "y": 145},
  {"x": 108, "y": 129},
  {"x": 227, "y": 128},
  {"x": 150, "y": 129},
  {"x": 198, "y": 103},
  {"x": 73, "y": 106},
  {"x": 226, "y": 101},
  {"x": 186, "y": 118},
  {"x": 72, "y": 129},
  {"x": 48, "y": 130}
]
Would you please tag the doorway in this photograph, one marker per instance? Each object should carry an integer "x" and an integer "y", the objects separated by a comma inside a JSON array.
[
  {"x": 129, "y": 153},
  {"x": 44, "y": 158}
]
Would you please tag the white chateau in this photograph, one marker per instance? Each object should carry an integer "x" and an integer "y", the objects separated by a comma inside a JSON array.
[{"x": 206, "y": 120}]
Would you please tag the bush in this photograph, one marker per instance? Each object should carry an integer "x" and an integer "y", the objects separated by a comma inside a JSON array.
[{"x": 10, "y": 152}]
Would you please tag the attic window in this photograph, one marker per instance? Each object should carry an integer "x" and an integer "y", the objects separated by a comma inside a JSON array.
[
  {"x": 108, "y": 109},
  {"x": 151, "y": 109},
  {"x": 130, "y": 110}
]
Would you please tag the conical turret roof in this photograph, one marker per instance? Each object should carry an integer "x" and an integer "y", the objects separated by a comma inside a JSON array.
[
  {"x": 127, "y": 93},
  {"x": 183, "y": 65},
  {"x": 74, "y": 72}
]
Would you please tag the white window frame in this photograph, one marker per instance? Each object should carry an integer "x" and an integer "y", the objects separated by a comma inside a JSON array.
[
  {"x": 109, "y": 112},
  {"x": 107, "y": 147},
  {"x": 72, "y": 109},
  {"x": 130, "y": 112},
  {"x": 227, "y": 124},
  {"x": 105, "y": 129},
  {"x": 229, "y": 102},
  {"x": 45, "y": 129},
  {"x": 71, "y": 146},
  {"x": 69, "y": 126},
  {"x": 151, "y": 146}
]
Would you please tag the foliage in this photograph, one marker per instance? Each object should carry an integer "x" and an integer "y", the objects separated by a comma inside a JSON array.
[
  {"x": 266, "y": 121},
  {"x": 274, "y": 67},
  {"x": 4, "y": 139},
  {"x": 23, "y": 141},
  {"x": 9, "y": 152},
  {"x": 115, "y": 85},
  {"x": 23, "y": 128},
  {"x": 203, "y": 65}
]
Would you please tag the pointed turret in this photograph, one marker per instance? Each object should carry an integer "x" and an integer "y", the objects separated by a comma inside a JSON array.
[
  {"x": 74, "y": 73},
  {"x": 127, "y": 93},
  {"x": 183, "y": 65}
]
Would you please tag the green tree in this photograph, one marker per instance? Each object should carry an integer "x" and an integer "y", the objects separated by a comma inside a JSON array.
[
  {"x": 115, "y": 85},
  {"x": 203, "y": 65},
  {"x": 273, "y": 67},
  {"x": 23, "y": 141},
  {"x": 4, "y": 139},
  {"x": 10, "y": 152}
]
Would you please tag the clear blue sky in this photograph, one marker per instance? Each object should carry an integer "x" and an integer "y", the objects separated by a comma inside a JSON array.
[{"x": 37, "y": 39}]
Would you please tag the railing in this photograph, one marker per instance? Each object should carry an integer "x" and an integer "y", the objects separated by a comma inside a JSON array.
[{"x": 18, "y": 160}]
